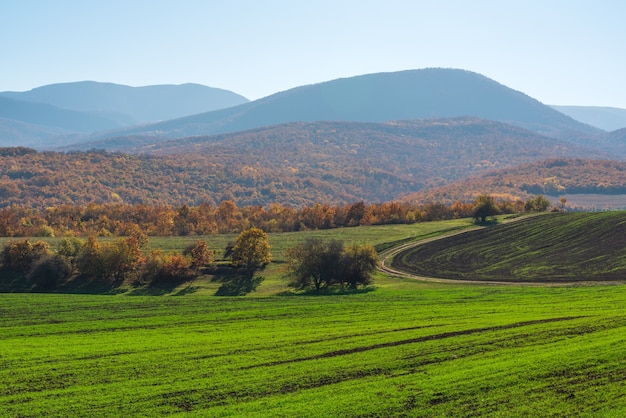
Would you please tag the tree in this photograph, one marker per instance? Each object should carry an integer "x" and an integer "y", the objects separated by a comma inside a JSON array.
[
  {"x": 49, "y": 271},
  {"x": 21, "y": 255},
  {"x": 321, "y": 264},
  {"x": 484, "y": 207},
  {"x": 359, "y": 261},
  {"x": 315, "y": 263},
  {"x": 537, "y": 204},
  {"x": 89, "y": 260},
  {"x": 200, "y": 254},
  {"x": 252, "y": 249}
]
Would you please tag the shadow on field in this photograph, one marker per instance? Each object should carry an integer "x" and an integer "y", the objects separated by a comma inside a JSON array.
[
  {"x": 235, "y": 282},
  {"x": 332, "y": 291},
  {"x": 164, "y": 288}
]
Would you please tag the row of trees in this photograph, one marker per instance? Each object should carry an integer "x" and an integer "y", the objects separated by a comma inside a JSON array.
[
  {"x": 227, "y": 217},
  {"x": 91, "y": 262},
  {"x": 77, "y": 263},
  {"x": 486, "y": 206}
]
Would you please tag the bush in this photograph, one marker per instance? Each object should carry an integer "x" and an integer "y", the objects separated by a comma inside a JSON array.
[
  {"x": 21, "y": 255},
  {"x": 49, "y": 271},
  {"x": 168, "y": 269}
]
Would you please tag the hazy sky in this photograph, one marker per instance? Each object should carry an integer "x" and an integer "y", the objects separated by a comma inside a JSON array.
[{"x": 557, "y": 51}]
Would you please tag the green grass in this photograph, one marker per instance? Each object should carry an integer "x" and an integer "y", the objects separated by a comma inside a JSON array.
[
  {"x": 273, "y": 276},
  {"x": 559, "y": 247},
  {"x": 408, "y": 348},
  {"x": 422, "y": 351}
]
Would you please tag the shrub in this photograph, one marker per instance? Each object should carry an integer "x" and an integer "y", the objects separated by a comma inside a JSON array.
[
  {"x": 49, "y": 271},
  {"x": 21, "y": 255}
]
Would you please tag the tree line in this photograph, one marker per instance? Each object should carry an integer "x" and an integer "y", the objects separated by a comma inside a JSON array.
[
  {"x": 92, "y": 263},
  {"x": 205, "y": 219}
]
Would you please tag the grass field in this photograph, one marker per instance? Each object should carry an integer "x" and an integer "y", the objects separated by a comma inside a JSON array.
[
  {"x": 407, "y": 348},
  {"x": 421, "y": 351},
  {"x": 555, "y": 247}
]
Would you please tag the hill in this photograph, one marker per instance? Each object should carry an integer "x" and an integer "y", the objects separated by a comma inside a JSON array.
[
  {"x": 295, "y": 164},
  {"x": 58, "y": 114},
  {"x": 556, "y": 177},
  {"x": 52, "y": 116},
  {"x": 561, "y": 247},
  {"x": 133, "y": 104},
  {"x": 15, "y": 133},
  {"x": 607, "y": 118},
  {"x": 414, "y": 94}
]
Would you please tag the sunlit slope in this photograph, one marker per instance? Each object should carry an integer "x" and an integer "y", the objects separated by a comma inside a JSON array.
[{"x": 560, "y": 247}]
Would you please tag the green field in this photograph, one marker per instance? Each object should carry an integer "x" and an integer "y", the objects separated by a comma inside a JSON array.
[
  {"x": 555, "y": 247},
  {"x": 404, "y": 348}
]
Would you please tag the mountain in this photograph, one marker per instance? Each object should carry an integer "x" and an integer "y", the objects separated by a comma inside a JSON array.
[
  {"x": 15, "y": 133},
  {"x": 296, "y": 164},
  {"x": 607, "y": 118},
  {"x": 134, "y": 105},
  {"x": 48, "y": 115},
  {"x": 554, "y": 177},
  {"x": 414, "y": 94}
]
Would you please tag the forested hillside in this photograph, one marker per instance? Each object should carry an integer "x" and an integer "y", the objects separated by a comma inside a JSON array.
[
  {"x": 552, "y": 177},
  {"x": 296, "y": 164}
]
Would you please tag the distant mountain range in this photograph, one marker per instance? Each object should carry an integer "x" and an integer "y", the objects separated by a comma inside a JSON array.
[
  {"x": 374, "y": 138},
  {"x": 414, "y": 94},
  {"x": 607, "y": 118},
  {"x": 135, "y": 105},
  {"x": 58, "y": 113}
]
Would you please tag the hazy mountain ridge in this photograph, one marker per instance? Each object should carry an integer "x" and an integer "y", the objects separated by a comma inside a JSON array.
[
  {"x": 412, "y": 94},
  {"x": 44, "y": 114},
  {"x": 141, "y": 104},
  {"x": 607, "y": 118},
  {"x": 58, "y": 114}
]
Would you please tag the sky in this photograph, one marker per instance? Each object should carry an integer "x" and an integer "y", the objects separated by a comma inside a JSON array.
[{"x": 561, "y": 52}]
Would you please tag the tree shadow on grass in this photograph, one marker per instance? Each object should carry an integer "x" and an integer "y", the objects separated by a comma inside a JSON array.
[
  {"x": 236, "y": 282},
  {"x": 160, "y": 288},
  {"x": 330, "y": 291}
]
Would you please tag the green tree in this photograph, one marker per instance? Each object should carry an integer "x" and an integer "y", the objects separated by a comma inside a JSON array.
[
  {"x": 359, "y": 261},
  {"x": 49, "y": 271},
  {"x": 69, "y": 248},
  {"x": 315, "y": 263},
  {"x": 537, "y": 204},
  {"x": 90, "y": 261},
  {"x": 484, "y": 207},
  {"x": 252, "y": 249}
]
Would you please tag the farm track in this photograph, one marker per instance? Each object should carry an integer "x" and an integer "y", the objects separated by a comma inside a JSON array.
[
  {"x": 416, "y": 340},
  {"x": 387, "y": 256}
]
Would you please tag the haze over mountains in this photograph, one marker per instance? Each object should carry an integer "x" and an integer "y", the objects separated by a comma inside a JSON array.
[
  {"x": 414, "y": 94},
  {"x": 607, "y": 118},
  {"x": 374, "y": 137},
  {"x": 59, "y": 113}
]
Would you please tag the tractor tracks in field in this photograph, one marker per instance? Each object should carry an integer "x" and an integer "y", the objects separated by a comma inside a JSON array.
[
  {"x": 386, "y": 257},
  {"x": 421, "y": 339}
]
